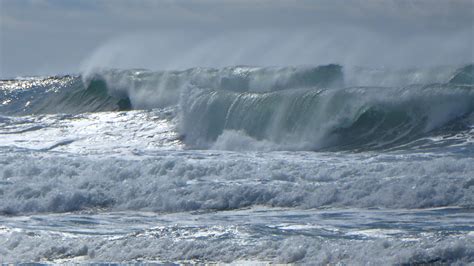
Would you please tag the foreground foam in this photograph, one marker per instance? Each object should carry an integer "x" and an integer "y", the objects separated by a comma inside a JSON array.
[
  {"x": 252, "y": 235},
  {"x": 192, "y": 180}
]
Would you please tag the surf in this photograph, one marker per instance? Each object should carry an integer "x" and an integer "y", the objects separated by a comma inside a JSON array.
[{"x": 278, "y": 108}]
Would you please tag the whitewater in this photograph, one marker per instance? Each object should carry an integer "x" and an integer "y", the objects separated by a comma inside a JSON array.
[{"x": 315, "y": 164}]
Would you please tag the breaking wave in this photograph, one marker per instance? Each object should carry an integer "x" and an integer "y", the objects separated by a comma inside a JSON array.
[
  {"x": 312, "y": 119},
  {"x": 285, "y": 108}
]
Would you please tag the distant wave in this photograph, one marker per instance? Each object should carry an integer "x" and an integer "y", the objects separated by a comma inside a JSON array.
[
  {"x": 66, "y": 94},
  {"x": 288, "y": 108}
]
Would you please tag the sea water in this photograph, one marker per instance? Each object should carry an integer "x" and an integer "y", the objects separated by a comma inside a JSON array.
[{"x": 243, "y": 164}]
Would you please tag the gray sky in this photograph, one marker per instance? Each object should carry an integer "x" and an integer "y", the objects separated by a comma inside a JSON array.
[{"x": 40, "y": 37}]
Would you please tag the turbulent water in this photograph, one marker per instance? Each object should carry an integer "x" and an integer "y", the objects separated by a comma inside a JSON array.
[{"x": 309, "y": 164}]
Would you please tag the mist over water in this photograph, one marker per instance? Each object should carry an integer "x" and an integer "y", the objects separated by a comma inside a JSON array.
[
  {"x": 174, "y": 50},
  {"x": 184, "y": 34}
]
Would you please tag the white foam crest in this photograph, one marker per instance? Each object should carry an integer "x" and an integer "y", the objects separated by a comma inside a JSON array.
[{"x": 233, "y": 140}]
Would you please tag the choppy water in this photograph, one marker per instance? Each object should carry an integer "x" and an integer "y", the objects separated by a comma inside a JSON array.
[{"x": 242, "y": 164}]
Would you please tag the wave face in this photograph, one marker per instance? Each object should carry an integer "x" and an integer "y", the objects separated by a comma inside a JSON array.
[
  {"x": 319, "y": 118},
  {"x": 283, "y": 108}
]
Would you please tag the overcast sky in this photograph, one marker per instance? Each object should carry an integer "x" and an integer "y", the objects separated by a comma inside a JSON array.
[{"x": 39, "y": 37}]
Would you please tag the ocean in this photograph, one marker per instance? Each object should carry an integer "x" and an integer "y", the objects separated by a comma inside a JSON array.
[{"x": 315, "y": 164}]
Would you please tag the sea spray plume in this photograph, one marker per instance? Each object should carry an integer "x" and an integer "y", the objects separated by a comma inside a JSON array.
[
  {"x": 388, "y": 77},
  {"x": 464, "y": 75},
  {"x": 370, "y": 33},
  {"x": 355, "y": 76},
  {"x": 348, "y": 46},
  {"x": 151, "y": 89}
]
